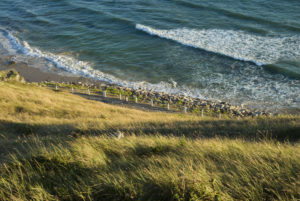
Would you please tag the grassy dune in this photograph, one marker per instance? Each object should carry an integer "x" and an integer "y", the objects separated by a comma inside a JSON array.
[{"x": 58, "y": 146}]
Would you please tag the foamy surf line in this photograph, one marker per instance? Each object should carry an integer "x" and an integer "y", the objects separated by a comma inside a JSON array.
[
  {"x": 18, "y": 49},
  {"x": 235, "y": 44}
]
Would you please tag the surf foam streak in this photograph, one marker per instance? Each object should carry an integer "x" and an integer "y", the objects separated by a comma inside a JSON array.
[
  {"x": 8, "y": 42},
  {"x": 20, "y": 49},
  {"x": 236, "y": 44}
]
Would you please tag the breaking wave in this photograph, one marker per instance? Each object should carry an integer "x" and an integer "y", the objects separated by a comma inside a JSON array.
[
  {"x": 18, "y": 49},
  {"x": 235, "y": 44}
]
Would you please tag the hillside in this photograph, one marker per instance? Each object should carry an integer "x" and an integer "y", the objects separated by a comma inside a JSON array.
[{"x": 59, "y": 146}]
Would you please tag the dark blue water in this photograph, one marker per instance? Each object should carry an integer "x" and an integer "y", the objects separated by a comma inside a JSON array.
[{"x": 238, "y": 51}]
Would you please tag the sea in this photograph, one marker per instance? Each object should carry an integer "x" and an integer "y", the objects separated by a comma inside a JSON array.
[{"x": 245, "y": 52}]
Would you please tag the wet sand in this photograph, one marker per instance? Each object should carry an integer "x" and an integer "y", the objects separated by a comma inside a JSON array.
[{"x": 31, "y": 74}]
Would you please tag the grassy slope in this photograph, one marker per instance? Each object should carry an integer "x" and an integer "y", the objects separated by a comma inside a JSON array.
[{"x": 55, "y": 146}]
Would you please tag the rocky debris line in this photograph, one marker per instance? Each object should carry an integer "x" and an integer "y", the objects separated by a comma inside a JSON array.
[
  {"x": 194, "y": 103},
  {"x": 177, "y": 101}
]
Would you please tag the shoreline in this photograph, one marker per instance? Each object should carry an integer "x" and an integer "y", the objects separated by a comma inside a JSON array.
[
  {"x": 194, "y": 105},
  {"x": 32, "y": 74}
]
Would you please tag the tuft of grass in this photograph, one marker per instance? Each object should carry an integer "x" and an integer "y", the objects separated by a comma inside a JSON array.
[{"x": 11, "y": 76}]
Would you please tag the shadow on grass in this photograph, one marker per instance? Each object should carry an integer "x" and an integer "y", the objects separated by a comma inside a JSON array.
[
  {"x": 73, "y": 180},
  {"x": 68, "y": 179},
  {"x": 58, "y": 177},
  {"x": 13, "y": 129},
  {"x": 281, "y": 129},
  {"x": 277, "y": 129},
  {"x": 14, "y": 136}
]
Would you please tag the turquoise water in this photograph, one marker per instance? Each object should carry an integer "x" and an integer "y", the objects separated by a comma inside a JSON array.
[{"x": 244, "y": 52}]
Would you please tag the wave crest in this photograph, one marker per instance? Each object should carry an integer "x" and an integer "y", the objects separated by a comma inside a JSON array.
[
  {"x": 235, "y": 44},
  {"x": 19, "y": 49}
]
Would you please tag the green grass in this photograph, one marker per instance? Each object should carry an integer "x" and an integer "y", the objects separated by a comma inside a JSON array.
[{"x": 59, "y": 146}]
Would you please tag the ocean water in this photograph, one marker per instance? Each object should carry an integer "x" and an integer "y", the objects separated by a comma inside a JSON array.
[{"x": 243, "y": 52}]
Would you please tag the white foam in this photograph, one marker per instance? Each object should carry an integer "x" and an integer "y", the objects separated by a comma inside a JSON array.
[
  {"x": 236, "y": 44},
  {"x": 74, "y": 66},
  {"x": 8, "y": 42}
]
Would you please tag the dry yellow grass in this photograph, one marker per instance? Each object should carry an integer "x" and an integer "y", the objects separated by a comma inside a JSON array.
[
  {"x": 57, "y": 146},
  {"x": 46, "y": 110},
  {"x": 30, "y": 103}
]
